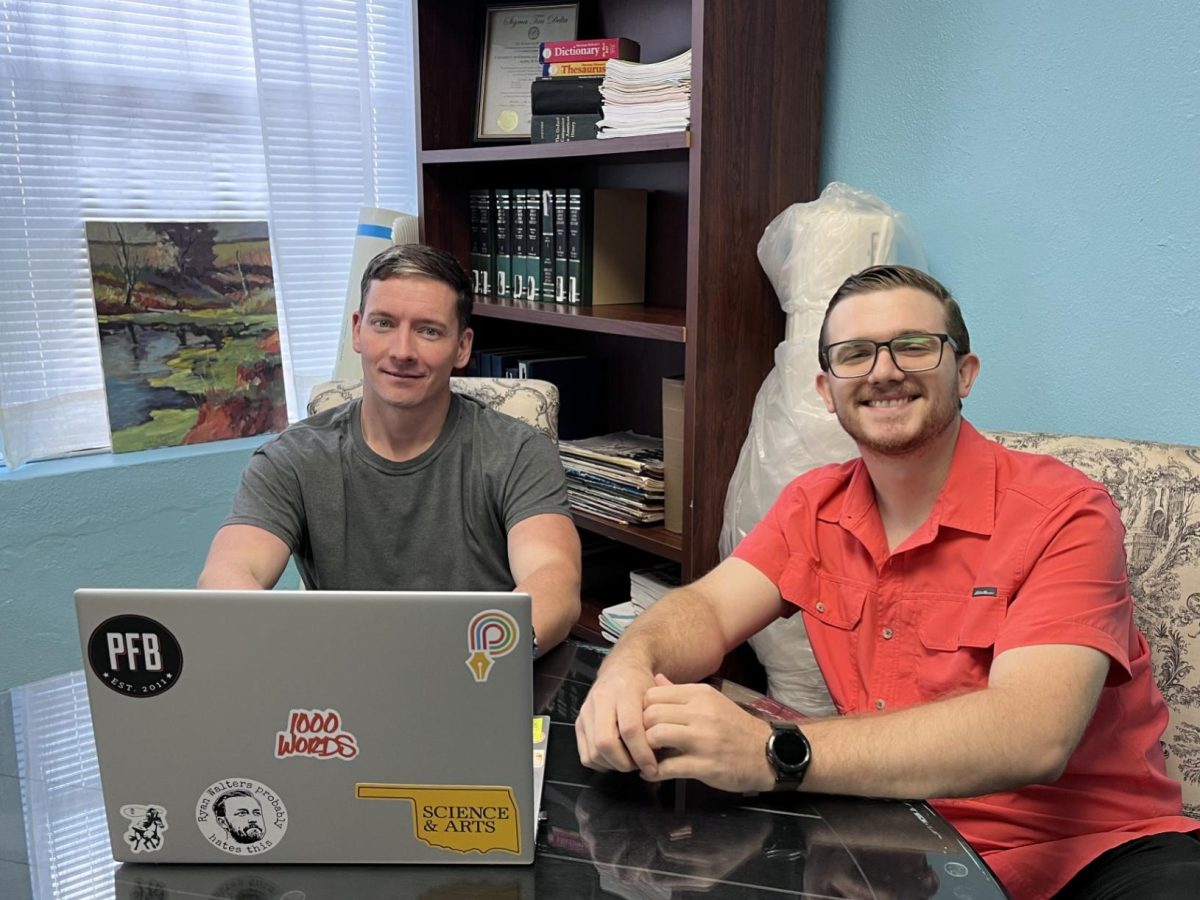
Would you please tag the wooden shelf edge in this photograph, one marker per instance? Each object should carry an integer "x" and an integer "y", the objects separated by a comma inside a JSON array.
[
  {"x": 651, "y": 538},
  {"x": 613, "y": 147},
  {"x": 630, "y": 319}
]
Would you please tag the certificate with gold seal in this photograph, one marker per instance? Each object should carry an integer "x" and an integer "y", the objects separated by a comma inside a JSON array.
[{"x": 511, "y": 60}]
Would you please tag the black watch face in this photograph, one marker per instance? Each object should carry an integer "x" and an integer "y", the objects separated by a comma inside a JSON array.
[{"x": 790, "y": 749}]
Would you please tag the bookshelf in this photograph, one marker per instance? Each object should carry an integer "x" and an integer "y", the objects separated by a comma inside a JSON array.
[{"x": 710, "y": 312}]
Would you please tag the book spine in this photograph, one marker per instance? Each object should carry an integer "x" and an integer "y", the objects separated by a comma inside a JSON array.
[
  {"x": 575, "y": 233},
  {"x": 518, "y": 244},
  {"x": 547, "y": 247},
  {"x": 561, "y": 129},
  {"x": 560, "y": 245},
  {"x": 487, "y": 236},
  {"x": 533, "y": 237},
  {"x": 474, "y": 211},
  {"x": 560, "y": 69},
  {"x": 587, "y": 50},
  {"x": 503, "y": 243}
]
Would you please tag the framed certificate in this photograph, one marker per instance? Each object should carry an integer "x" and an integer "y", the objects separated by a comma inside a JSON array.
[{"x": 511, "y": 61}]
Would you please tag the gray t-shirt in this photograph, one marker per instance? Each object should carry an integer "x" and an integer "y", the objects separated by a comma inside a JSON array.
[{"x": 356, "y": 521}]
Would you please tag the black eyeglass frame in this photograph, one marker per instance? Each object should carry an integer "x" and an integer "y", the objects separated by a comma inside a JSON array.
[{"x": 943, "y": 340}]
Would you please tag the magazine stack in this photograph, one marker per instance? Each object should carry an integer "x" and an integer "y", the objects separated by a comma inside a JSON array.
[
  {"x": 618, "y": 477},
  {"x": 646, "y": 586}
]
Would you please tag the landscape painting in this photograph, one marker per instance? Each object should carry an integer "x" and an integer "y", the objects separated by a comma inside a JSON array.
[{"x": 189, "y": 339}]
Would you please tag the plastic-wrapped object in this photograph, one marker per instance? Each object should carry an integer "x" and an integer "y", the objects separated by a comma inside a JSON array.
[{"x": 807, "y": 251}]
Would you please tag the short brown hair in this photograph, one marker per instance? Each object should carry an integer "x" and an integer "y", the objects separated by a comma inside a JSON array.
[
  {"x": 886, "y": 278},
  {"x": 421, "y": 261}
]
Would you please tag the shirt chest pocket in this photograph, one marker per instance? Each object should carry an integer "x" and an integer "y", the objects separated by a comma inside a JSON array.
[
  {"x": 829, "y": 602},
  {"x": 957, "y": 639}
]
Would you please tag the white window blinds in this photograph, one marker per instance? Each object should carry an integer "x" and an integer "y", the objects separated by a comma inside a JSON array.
[{"x": 297, "y": 112}]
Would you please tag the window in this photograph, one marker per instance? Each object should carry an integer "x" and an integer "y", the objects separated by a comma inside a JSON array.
[{"x": 296, "y": 112}]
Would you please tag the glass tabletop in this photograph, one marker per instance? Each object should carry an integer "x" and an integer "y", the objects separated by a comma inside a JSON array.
[{"x": 601, "y": 834}]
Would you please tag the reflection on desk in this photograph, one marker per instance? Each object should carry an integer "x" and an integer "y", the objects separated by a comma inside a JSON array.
[{"x": 602, "y": 835}]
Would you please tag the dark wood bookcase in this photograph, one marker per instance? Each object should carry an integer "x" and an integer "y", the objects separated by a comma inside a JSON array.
[{"x": 710, "y": 313}]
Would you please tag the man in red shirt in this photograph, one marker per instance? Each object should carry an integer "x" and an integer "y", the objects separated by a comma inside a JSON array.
[{"x": 969, "y": 608}]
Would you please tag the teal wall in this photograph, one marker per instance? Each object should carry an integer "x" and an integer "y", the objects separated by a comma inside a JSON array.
[
  {"x": 133, "y": 520},
  {"x": 1049, "y": 157}
]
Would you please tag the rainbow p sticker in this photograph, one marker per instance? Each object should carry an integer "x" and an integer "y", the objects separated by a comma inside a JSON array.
[
  {"x": 490, "y": 635},
  {"x": 461, "y": 819}
]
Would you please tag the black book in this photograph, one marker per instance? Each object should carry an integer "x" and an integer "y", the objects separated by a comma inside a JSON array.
[
  {"x": 533, "y": 239},
  {"x": 562, "y": 128},
  {"x": 517, "y": 290},
  {"x": 503, "y": 248},
  {"x": 566, "y": 94}
]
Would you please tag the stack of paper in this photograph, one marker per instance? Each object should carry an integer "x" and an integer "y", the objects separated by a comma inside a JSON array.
[
  {"x": 645, "y": 587},
  {"x": 615, "y": 619},
  {"x": 646, "y": 98},
  {"x": 616, "y": 476},
  {"x": 650, "y": 584}
]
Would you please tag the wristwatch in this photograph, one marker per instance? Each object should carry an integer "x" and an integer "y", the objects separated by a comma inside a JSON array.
[{"x": 789, "y": 754}]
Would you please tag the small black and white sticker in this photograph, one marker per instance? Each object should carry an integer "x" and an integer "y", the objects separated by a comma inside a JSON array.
[
  {"x": 241, "y": 817},
  {"x": 135, "y": 656},
  {"x": 147, "y": 822}
]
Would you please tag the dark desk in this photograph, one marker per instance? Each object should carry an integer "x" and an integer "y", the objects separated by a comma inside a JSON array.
[{"x": 603, "y": 835}]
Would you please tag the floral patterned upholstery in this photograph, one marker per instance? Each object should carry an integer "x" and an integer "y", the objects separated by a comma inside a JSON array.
[
  {"x": 1157, "y": 487},
  {"x": 527, "y": 399}
]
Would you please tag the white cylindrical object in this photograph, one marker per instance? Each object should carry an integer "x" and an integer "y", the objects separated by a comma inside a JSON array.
[{"x": 372, "y": 236}]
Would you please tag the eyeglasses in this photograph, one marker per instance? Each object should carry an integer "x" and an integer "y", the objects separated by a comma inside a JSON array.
[{"x": 910, "y": 353}]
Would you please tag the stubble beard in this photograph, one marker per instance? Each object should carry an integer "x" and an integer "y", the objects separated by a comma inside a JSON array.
[{"x": 896, "y": 441}]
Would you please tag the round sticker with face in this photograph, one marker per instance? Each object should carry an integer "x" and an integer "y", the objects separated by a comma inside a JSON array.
[
  {"x": 241, "y": 817},
  {"x": 135, "y": 656}
]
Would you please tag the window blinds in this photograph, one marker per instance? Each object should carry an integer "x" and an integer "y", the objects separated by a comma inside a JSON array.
[{"x": 297, "y": 112}]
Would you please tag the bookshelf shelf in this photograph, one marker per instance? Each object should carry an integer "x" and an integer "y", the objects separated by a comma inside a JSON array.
[
  {"x": 753, "y": 150},
  {"x": 651, "y": 538},
  {"x": 631, "y": 319},
  {"x": 650, "y": 148}
]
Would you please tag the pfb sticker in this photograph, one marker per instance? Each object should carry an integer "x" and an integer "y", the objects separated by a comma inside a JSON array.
[
  {"x": 241, "y": 817},
  {"x": 135, "y": 656},
  {"x": 490, "y": 635},
  {"x": 147, "y": 822},
  {"x": 461, "y": 819},
  {"x": 315, "y": 733}
]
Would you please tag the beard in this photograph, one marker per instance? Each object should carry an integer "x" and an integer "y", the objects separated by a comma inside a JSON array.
[
  {"x": 899, "y": 439},
  {"x": 251, "y": 834}
]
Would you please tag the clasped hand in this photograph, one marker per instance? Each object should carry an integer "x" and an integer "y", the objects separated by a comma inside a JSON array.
[{"x": 632, "y": 721}]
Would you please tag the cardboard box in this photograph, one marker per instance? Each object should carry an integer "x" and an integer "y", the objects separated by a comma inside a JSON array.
[{"x": 672, "y": 405}]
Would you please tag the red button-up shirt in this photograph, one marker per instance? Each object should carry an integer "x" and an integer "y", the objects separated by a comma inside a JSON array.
[{"x": 1019, "y": 550}]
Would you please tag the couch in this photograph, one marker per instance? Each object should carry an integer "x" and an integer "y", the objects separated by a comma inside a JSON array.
[
  {"x": 1157, "y": 487},
  {"x": 528, "y": 399}
]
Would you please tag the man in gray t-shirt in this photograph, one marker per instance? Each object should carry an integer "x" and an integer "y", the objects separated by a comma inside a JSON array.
[{"x": 411, "y": 487}]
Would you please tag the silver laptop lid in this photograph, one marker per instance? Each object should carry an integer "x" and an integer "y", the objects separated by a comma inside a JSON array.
[{"x": 312, "y": 726}]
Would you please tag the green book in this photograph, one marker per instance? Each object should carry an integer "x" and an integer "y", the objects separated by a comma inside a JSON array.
[
  {"x": 533, "y": 237},
  {"x": 479, "y": 262},
  {"x": 576, "y": 236},
  {"x": 503, "y": 248},
  {"x": 560, "y": 245},
  {"x": 517, "y": 220}
]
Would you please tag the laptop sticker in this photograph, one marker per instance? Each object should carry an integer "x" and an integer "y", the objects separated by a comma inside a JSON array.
[
  {"x": 458, "y": 818},
  {"x": 317, "y": 734},
  {"x": 135, "y": 656},
  {"x": 490, "y": 635},
  {"x": 241, "y": 817},
  {"x": 147, "y": 822}
]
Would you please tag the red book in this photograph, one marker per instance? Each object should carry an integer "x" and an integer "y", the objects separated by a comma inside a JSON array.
[{"x": 591, "y": 50}]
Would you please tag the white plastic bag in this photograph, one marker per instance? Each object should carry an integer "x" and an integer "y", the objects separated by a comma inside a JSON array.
[{"x": 807, "y": 251}]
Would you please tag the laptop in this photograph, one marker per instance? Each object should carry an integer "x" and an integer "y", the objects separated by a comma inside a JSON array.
[{"x": 312, "y": 726}]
